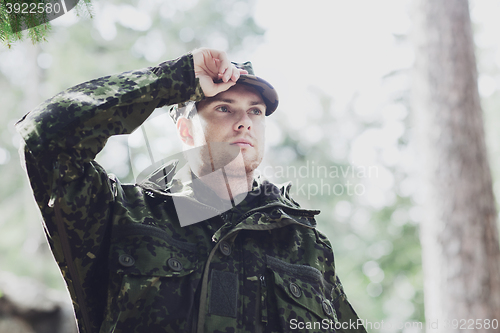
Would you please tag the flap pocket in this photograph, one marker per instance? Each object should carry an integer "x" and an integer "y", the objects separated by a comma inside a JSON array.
[
  {"x": 300, "y": 290},
  {"x": 156, "y": 278},
  {"x": 139, "y": 249}
]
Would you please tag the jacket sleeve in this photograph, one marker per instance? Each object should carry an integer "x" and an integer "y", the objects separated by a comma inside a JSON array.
[{"x": 62, "y": 137}]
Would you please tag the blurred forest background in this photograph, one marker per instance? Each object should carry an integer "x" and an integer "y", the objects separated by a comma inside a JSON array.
[{"x": 342, "y": 134}]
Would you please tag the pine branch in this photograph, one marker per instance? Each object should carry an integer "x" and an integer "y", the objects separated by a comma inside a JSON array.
[{"x": 34, "y": 16}]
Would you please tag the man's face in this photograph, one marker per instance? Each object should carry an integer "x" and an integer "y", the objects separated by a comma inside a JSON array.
[{"x": 236, "y": 117}]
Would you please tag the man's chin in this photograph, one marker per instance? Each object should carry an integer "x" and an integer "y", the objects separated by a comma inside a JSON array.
[
  {"x": 251, "y": 164},
  {"x": 241, "y": 170}
]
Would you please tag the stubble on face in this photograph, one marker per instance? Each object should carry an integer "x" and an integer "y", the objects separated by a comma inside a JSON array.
[{"x": 229, "y": 120}]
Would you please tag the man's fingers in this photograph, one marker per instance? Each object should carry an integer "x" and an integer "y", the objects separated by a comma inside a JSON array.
[
  {"x": 225, "y": 66},
  {"x": 215, "y": 71},
  {"x": 236, "y": 73},
  {"x": 231, "y": 74},
  {"x": 210, "y": 88}
]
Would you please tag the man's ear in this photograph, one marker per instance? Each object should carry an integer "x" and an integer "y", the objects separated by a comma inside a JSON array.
[{"x": 185, "y": 129}]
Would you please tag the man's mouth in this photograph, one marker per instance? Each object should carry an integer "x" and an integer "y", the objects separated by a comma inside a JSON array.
[{"x": 242, "y": 143}]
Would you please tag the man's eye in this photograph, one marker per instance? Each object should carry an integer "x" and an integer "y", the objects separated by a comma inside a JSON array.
[
  {"x": 256, "y": 111},
  {"x": 222, "y": 109}
]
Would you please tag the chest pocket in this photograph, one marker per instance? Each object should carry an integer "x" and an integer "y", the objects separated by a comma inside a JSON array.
[
  {"x": 139, "y": 249},
  {"x": 303, "y": 297},
  {"x": 159, "y": 276}
]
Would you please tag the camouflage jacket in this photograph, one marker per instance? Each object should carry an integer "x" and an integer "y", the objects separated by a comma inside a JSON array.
[{"x": 129, "y": 266}]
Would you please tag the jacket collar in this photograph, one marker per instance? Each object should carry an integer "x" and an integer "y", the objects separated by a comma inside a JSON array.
[{"x": 173, "y": 181}]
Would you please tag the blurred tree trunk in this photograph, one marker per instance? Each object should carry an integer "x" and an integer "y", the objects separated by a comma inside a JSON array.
[{"x": 459, "y": 235}]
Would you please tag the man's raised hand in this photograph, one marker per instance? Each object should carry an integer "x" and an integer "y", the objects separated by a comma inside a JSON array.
[{"x": 214, "y": 70}]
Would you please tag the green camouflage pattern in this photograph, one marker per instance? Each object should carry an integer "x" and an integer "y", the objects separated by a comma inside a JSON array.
[{"x": 128, "y": 264}]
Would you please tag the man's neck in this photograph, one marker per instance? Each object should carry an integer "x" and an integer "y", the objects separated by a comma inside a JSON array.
[{"x": 226, "y": 185}]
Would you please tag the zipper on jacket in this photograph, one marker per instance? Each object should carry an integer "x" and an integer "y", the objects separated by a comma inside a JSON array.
[{"x": 204, "y": 282}]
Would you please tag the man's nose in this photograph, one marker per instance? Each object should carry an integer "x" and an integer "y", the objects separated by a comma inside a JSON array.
[{"x": 244, "y": 122}]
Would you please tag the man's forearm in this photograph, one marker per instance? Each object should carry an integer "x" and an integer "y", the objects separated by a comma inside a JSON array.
[{"x": 84, "y": 116}]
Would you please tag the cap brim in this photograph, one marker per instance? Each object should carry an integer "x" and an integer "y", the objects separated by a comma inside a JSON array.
[{"x": 266, "y": 90}]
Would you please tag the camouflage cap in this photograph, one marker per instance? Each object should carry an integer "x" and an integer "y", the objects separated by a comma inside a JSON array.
[{"x": 266, "y": 90}]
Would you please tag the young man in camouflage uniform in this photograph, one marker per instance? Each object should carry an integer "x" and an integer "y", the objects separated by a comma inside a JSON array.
[{"x": 130, "y": 266}]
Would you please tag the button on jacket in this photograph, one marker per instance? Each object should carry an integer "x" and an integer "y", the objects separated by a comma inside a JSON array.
[{"x": 130, "y": 267}]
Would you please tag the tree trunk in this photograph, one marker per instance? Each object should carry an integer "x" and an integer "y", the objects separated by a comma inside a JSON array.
[{"x": 459, "y": 236}]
